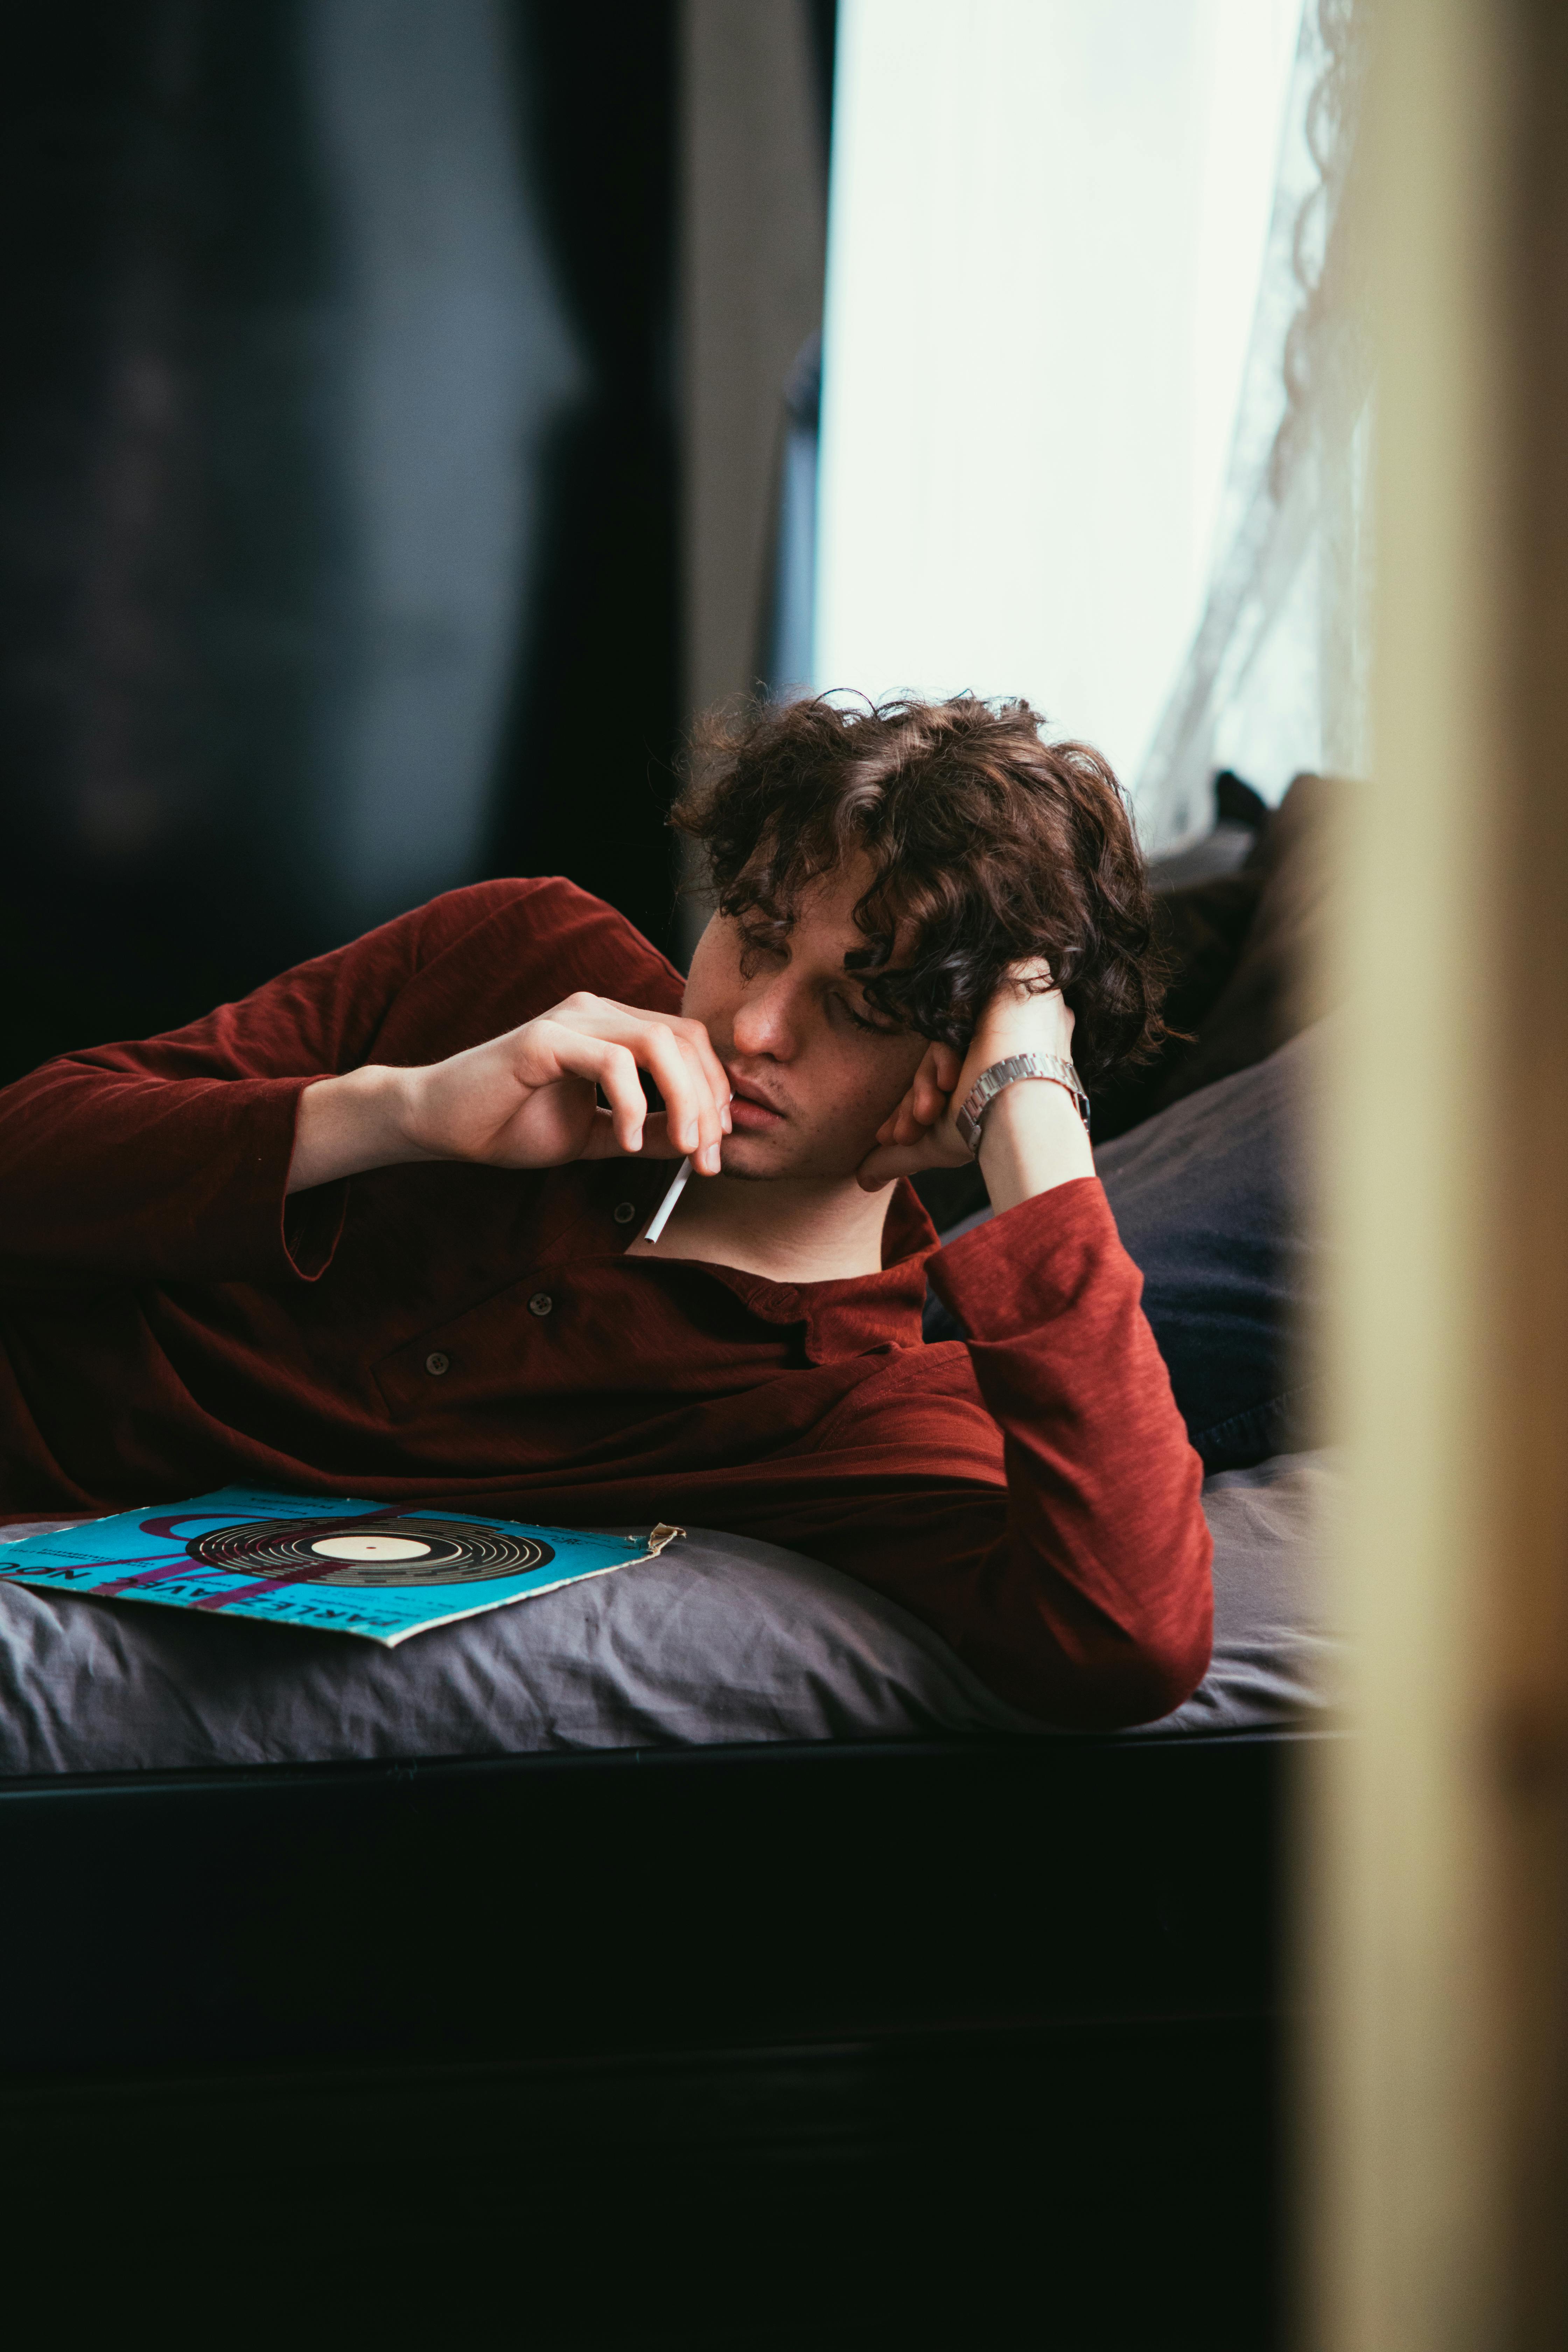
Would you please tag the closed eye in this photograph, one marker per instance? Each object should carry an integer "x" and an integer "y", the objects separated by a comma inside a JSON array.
[
  {"x": 755, "y": 952},
  {"x": 877, "y": 1028}
]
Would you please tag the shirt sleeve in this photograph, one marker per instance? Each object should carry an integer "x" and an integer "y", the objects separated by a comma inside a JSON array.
[
  {"x": 1083, "y": 1593},
  {"x": 166, "y": 1161}
]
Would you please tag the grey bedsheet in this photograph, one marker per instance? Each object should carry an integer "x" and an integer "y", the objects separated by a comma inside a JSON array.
[{"x": 723, "y": 1638}]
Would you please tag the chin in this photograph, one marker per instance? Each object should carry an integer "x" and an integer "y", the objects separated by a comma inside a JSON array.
[
  {"x": 753, "y": 1157},
  {"x": 762, "y": 1159}
]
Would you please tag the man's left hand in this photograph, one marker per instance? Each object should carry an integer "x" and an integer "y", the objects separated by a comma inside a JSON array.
[{"x": 1026, "y": 1015}]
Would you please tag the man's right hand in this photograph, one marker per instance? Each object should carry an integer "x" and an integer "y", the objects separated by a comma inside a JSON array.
[{"x": 526, "y": 1100}]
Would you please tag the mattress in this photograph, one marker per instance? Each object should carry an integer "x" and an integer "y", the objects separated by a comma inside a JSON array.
[{"x": 724, "y": 1639}]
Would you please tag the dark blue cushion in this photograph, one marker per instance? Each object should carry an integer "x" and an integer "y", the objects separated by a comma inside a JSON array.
[{"x": 1216, "y": 1203}]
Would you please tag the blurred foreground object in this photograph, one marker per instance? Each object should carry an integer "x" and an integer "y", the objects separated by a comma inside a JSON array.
[{"x": 1433, "y": 1943}]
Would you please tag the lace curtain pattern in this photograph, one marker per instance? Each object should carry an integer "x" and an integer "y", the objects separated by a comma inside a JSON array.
[{"x": 1276, "y": 680}]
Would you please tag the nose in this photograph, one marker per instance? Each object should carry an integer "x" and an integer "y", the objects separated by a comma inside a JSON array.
[{"x": 766, "y": 1020}]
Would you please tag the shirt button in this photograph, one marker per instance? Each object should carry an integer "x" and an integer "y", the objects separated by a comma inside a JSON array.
[
  {"x": 436, "y": 1363},
  {"x": 541, "y": 1303},
  {"x": 624, "y": 1212}
]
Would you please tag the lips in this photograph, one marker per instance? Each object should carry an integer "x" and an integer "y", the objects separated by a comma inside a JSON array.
[{"x": 749, "y": 1107}]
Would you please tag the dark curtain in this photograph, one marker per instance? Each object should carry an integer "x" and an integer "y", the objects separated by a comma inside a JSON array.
[
  {"x": 179, "y": 629},
  {"x": 587, "y": 766},
  {"x": 165, "y": 532}
]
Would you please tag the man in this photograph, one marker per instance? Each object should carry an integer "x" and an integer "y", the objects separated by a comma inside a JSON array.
[{"x": 373, "y": 1232}]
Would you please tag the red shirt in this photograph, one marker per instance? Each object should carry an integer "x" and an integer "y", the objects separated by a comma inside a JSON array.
[{"x": 170, "y": 1322}]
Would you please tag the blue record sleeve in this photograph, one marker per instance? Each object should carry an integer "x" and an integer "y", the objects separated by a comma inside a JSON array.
[{"x": 336, "y": 1566}]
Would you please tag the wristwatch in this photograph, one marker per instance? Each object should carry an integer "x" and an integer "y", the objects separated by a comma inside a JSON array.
[{"x": 989, "y": 1083}]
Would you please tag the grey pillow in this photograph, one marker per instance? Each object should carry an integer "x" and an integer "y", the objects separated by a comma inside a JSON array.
[{"x": 723, "y": 1638}]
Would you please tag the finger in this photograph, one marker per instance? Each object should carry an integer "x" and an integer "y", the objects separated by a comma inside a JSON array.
[
  {"x": 919, "y": 1107},
  {"x": 622, "y": 1090},
  {"x": 896, "y": 1127},
  {"x": 718, "y": 1077},
  {"x": 912, "y": 1124},
  {"x": 679, "y": 1056},
  {"x": 689, "y": 1097},
  {"x": 928, "y": 1095},
  {"x": 614, "y": 1070},
  {"x": 928, "y": 1100},
  {"x": 694, "y": 1036},
  {"x": 939, "y": 1076},
  {"x": 892, "y": 1160},
  {"x": 657, "y": 1144},
  {"x": 713, "y": 1108}
]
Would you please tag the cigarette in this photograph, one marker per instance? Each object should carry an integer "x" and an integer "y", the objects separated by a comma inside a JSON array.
[{"x": 661, "y": 1215}]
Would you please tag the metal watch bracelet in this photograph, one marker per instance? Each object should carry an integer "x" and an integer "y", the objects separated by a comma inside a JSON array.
[{"x": 990, "y": 1082}]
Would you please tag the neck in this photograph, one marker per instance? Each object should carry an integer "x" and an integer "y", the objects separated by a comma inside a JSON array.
[{"x": 787, "y": 1229}]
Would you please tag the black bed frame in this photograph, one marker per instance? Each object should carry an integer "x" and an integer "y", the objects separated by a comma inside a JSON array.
[{"x": 975, "y": 2043}]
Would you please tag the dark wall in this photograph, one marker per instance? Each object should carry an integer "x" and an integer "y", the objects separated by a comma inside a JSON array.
[{"x": 248, "y": 594}]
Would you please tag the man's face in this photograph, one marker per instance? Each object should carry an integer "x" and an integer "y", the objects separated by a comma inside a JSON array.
[{"x": 814, "y": 1070}]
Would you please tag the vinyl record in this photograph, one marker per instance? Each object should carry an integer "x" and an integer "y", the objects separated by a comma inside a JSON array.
[{"x": 368, "y": 1550}]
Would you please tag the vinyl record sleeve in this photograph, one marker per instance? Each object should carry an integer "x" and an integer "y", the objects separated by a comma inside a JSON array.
[{"x": 335, "y": 1565}]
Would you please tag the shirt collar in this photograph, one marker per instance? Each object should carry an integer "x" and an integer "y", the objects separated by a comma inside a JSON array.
[
  {"x": 847, "y": 1317},
  {"x": 859, "y": 1312}
]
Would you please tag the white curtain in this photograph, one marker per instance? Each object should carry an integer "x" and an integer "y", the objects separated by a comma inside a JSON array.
[
  {"x": 1275, "y": 679},
  {"x": 1047, "y": 222}
]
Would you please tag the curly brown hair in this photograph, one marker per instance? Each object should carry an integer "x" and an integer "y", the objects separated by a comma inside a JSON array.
[{"x": 987, "y": 845}]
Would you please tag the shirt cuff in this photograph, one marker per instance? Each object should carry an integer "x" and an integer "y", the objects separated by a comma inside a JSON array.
[
  {"x": 1029, "y": 1264},
  {"x": 251, "y": 1228}
]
